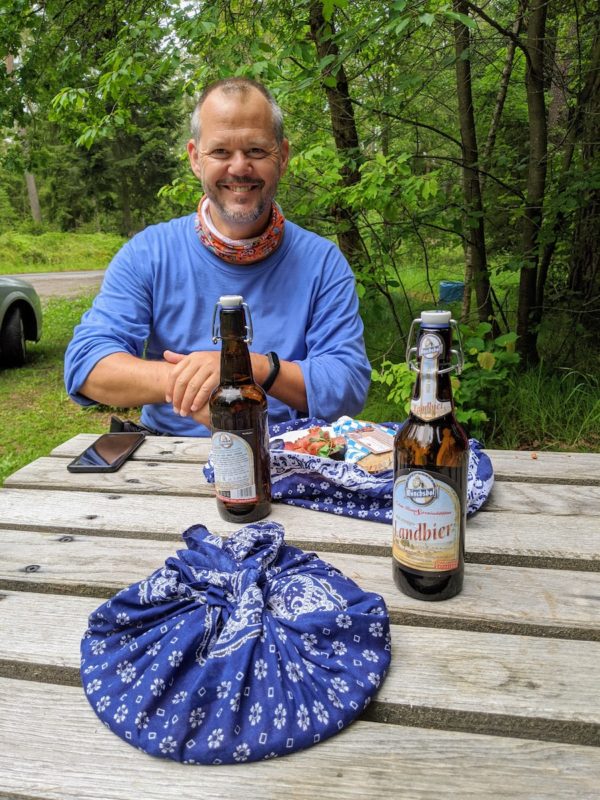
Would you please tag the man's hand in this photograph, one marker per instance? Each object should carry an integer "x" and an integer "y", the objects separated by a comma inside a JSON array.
[{"x": 191, "y": 381}]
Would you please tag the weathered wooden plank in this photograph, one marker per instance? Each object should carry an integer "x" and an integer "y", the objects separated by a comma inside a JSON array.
[
  {"x": 88, "y": 762},
  {"x": 543, "y": 681},
  {"x": 134, "y": 477},
  {"x": 153, "y": 477},
  {"x": 543, "y": 466},
  {"x": 539, "y": 539},
  {"x": 511, "y": 465},
  {"x": 539, "y": 498},
  {"x": 493, "y": 537},
  {"x": 559, "y": 602},
  {"x": 191, "y": 449},
  {"x": 167, "y": 517},
  {"x": 526, "y": 677}
]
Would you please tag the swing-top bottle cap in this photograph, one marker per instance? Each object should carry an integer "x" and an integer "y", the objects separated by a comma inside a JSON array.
[
  {"x": 435, "y": 317},
  {"x": 231, "y": 300}
]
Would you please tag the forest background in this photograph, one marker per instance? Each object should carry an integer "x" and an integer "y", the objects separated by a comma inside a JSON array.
[{"x": 434, "y": 141}]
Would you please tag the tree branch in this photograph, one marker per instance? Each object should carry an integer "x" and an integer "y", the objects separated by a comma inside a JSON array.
[
  {"x": 460, "y": 163},
  {"x": 501, "y": 97},
  {"x": 500, "y": 28},
  {"x": 380, "y": 112}
]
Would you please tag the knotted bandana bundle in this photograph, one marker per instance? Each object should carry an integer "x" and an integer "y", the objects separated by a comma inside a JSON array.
[
  {"x": 240, "y": 251},
  {"x": 235, "y": 651},
  {"x": 339, "y": 487}
]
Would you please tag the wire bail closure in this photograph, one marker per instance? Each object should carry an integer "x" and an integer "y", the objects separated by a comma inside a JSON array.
[
  {"x": 216, "y": 331},
  {"x": 411, "y": 352}
]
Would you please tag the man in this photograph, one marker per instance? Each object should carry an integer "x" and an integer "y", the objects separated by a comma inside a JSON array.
[{"x": 147, "y": 338}]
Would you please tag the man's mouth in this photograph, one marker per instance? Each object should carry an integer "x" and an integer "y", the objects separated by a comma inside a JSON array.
[{"x": 240, "y": 188}]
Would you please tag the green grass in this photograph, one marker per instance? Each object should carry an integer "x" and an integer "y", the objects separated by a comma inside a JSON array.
[
  {"x": 544, "y": 410},
  {"x": 36, "y": 414},
  {"x": 56, "y": 252}
]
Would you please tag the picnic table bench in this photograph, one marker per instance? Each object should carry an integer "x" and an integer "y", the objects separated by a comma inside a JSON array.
[{"x": 494, "y": 693}]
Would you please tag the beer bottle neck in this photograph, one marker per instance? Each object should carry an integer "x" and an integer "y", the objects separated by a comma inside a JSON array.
[
  {"x": 236, "y": 367},
  {"x": 432, "y": 396}
]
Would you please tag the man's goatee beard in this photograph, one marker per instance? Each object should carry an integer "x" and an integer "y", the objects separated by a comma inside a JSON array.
[{"x": 242, "y": 216}]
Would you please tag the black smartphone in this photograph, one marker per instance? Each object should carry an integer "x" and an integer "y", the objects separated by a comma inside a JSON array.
[{"x": 108, "y": 453}]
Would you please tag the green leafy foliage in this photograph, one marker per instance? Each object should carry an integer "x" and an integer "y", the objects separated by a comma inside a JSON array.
[
  {"x": 399, "y": 379},
  {"x": 477, "y": 391},
  {"x": 487, "y": 366},
  {"x": 98, "y": 102}
]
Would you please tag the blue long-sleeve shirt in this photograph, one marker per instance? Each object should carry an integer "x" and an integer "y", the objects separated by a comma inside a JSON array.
[{"x": 160, "y": 291}]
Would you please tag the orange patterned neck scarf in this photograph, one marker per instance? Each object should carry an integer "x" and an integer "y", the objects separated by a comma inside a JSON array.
[{"x": 239, "y": 251}]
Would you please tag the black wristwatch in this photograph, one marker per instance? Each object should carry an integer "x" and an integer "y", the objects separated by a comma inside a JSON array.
[{"x": 273, "y": 371}]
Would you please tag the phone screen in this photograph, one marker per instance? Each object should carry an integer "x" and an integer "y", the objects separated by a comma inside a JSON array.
[{"x": 108, "y": 452}]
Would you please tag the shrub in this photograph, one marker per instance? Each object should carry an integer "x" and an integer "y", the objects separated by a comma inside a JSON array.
[{"x": 488, "y": 363}]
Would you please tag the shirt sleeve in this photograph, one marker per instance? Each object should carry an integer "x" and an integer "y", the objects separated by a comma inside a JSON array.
[
  {"x": 336, "y": 370},
  {"x": 118, "y": 321}
]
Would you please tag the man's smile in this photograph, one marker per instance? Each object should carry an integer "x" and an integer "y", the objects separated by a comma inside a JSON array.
[{"x": 240, "y": 188}]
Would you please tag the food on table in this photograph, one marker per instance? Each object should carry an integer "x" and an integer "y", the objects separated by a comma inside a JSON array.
[{"x": 319, "y": 442}]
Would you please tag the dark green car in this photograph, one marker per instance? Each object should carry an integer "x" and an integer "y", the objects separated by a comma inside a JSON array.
[{"x": 20, "y": 320}]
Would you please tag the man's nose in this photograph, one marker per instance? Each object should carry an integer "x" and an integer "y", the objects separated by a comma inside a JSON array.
[{"x": 239, "y": 163}]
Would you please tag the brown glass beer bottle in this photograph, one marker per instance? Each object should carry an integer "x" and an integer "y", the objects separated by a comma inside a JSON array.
[
  {"x": 431, "y": 454},
  {"x": 238, "y": 417}
]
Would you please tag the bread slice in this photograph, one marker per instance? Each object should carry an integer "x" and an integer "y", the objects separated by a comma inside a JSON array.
[{"x": 377, "y": 462}]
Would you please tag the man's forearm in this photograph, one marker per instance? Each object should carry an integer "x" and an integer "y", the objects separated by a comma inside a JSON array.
[
  {"x": 289, "y": 385},
  {"x": 121, "y": 379}
]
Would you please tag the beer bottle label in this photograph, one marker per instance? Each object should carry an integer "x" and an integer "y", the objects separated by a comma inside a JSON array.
[
  {"x": 426, "y": 522},
  {"x": 233, "y": 462},
  {"x": 427, "y": 406}
]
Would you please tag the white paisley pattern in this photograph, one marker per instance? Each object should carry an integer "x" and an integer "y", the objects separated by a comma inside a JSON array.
[
  {"x": 235, "y": 651},
  {"x": 294, "y": 597}
]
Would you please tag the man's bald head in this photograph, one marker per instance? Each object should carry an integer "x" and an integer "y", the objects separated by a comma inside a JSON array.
[{"x": 243, "y": 88}]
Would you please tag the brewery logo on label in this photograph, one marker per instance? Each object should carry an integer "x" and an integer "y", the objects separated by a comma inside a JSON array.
[
  {"x": 225, "y": 440},
  {"x": 420, "y": 488},
  {"x": 431, "y": 346}
]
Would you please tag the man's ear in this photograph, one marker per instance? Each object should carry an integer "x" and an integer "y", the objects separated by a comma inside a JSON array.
[{"x": 194, "y": 160}]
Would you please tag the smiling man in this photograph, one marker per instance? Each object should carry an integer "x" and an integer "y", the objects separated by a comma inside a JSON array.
[
  {"x": 147, "y": 338},
  {"x": 239, "y": 154}
]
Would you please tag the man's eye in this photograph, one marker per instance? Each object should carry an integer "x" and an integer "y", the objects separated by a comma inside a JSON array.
[
  {"x": 219, "y": 152},
  {"x": 257, "y": 152}
]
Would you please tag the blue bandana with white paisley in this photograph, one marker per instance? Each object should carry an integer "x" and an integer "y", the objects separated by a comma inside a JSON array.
[{"x": 235, "y": 651}]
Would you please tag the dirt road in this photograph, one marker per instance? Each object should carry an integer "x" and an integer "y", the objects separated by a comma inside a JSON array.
[{"x": 63, "y": 284}]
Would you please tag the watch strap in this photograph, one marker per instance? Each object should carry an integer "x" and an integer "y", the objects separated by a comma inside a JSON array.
[{"x": 273, "y": 371}]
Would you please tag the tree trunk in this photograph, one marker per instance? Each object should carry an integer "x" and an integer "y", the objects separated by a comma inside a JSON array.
[
  {"x": 344, "y": 129},
  {"x": 474, "y": 225},
  {"x": 487, "y": 154},
  {"x": 528, "y": 314},
  {"x": 126, "y": 218},
  {"x": 500, "y": 97},
  {"x": 32, "y": 192},
  {"x": 574, "y": 126},
  {"x": 584, "y": 273},
  {"x": 585, "y": 263}
]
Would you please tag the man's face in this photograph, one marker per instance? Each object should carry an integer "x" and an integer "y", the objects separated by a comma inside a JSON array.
[{"x": 238, "y": 161}]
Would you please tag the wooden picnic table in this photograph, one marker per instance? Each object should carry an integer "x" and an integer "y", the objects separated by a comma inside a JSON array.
[{"x": 494, "y": 693}]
